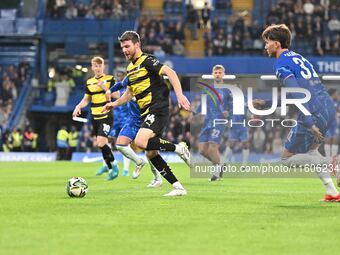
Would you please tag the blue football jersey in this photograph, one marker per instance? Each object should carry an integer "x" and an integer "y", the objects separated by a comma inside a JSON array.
[
  {"x": 293, "y": 70},
  {"x": 129, "y": 112},
  {"x": 215, "y": 108}
]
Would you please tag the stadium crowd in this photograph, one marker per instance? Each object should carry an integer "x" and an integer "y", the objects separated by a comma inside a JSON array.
[{"x": 92, "y": 9}]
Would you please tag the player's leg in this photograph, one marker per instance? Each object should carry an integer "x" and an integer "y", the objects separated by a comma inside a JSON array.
[
  {"x": 300, "y": 151},
  {"x": 112, "y": 137},
  {"x": 157, "y": 180},
  {"x": 164, "y": 169},
  {"x": 203, "y": 149},
  {"x": 328, "y": 147},
  {"x": 147, "y": 140},
  {"x": 126, "y": 136},
  {"x": 102, "y": 130}
]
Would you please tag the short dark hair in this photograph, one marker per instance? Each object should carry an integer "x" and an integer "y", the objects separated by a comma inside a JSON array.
[
  {"x": 280, "y": 33},
  {"x": 129, "y": 36},
  {"x": 331, "y": 91}
]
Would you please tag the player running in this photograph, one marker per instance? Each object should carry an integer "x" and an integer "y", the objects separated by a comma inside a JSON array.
[
  {"x": 129, "y": 131},
  {"x": 211, "y": 136},
  {"x": 102, "y": 122},
  {"x": 146, "y": 84},
  {"x": 121, "y": 118},
  {"x": 294, "y": 71}
]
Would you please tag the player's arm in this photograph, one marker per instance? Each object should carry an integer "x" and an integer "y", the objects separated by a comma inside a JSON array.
[
  {"x": 126, "y": 97},
  {"x": 84, "y": 102},
  {"x": 109, "y": 93},
  {"x": 176, "y": 84}
]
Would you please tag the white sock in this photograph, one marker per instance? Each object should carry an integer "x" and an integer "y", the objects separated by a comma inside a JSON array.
[
  {"x": 178, "y": 149},
  {"x": 309, "y": 159},
  {"x": 177, "y": 185},
  {"x": 154, "y": 171},
  {"x": 245, "y": 156},
  {"x": 227, "y": 155},
  {"x": 217, "y": 170},
  {"x": 126, "y": 163},
  {"x": 129, "y": 153},
  {"x": 328, "y": 150},
  {"x": 334, "y": 150}
]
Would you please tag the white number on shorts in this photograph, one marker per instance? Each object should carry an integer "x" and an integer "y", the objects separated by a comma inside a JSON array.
[
  {"x": 150, "y": 119},
  {"x": 106, "y": 128},
  {"x": 215, "y": 133}
]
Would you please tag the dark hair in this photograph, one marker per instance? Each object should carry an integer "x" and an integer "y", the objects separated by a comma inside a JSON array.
[
  {"x": 331, "y": 91},
  {"x": 130, "y": 36},
  {"x": 280, "y": 33}
]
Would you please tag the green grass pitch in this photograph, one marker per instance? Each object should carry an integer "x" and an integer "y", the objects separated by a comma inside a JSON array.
[{"x": 234, "y": 216}]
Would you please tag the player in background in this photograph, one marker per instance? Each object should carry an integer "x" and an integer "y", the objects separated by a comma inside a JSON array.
[
  {"x": 129, "y": 131},
  {"x": 331, "y": 140},
  {"x": 237, "y": 133},
  {"x": 101, "y": 122},
  {"x": 146, "y": 84},
  {"x": 294, "y": 71},
  {"x": 211, "y": 136},
  {"x": 120, "y": 119}
]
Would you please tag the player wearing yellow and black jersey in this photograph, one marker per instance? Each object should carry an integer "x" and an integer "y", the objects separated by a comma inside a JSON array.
[
  {"x": 102, "y": 122},
  {"x": 146, "y": 85}
]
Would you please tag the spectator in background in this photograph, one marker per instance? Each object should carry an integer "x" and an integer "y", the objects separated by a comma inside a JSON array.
[
  {"x": 73, "y": 138},
  {"x": 177, "y": 49},
  {"x": 259, "y": 138},
  {"x": 205, "y": 13},
  {"x": 16, "y": 138},
  {"x": 192, "y": 21},
  {"x": 62, "y": 145},
  {"x": 29, "y": 138}
]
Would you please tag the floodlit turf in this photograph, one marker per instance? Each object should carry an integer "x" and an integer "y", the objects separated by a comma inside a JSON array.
[{"x": 234, "y": 216}]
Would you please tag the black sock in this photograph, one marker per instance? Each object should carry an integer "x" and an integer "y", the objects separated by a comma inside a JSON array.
[
  {"x": 158, "y": 144},
  {"x": 163, "y": 168},
  {"x": 107, "y": 155}
]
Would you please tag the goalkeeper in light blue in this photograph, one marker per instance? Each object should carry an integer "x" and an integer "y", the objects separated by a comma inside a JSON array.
[{"x": 301, "y": 145}]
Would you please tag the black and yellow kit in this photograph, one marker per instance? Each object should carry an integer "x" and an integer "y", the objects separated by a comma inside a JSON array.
[
  {"x": 101, "y": 122},
  {"x": 147, "y": 84},
  {"x": 151, "y": 92}
]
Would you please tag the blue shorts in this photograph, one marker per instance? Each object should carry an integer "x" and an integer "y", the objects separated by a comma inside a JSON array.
[
  {"x": 212, "y": 134},
  {"x": 300, "y": 138},
  {"x": 332, "y": 130},
  {"x": 238, "y": 133},
  {"x": 115, "y": 130},
  {"x": 130, "y": 130}
]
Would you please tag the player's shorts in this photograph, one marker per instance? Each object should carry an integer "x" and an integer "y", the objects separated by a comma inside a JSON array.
[
  {"x": 212, "y": 134},
  {"x": 130, "y": 130},
  {"x": 115, "y": 130},
  {"x": 238, "y": 133},
  {"x": 300, "y": 138},
  {"x": 156, "y": 121},
  {"x": 332, "y": 129},
  {"x": 102, "y": 127}
]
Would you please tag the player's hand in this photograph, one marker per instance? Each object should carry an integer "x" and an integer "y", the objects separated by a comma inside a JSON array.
[
  {"x": 183, "y": 102},
  {"x": 316, "y": 131},
  {"x": 108, "y": 107},
  {"x": 258, "y": 103},
  {"x": 76, "y": 112},
  {"x": 101, "y": 85},
  {"x": 108, "y": 96}
]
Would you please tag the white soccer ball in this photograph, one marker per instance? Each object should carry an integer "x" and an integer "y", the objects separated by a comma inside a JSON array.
[{"x": 76, "y": 187}]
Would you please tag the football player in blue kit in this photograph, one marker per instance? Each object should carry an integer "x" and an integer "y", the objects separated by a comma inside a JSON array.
[
  {"x": 129, "y": 124},
  {"x": 211, "y": 135},
  {"x": 331, "y": 141},
  {"x": 301, "y": 145}
]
